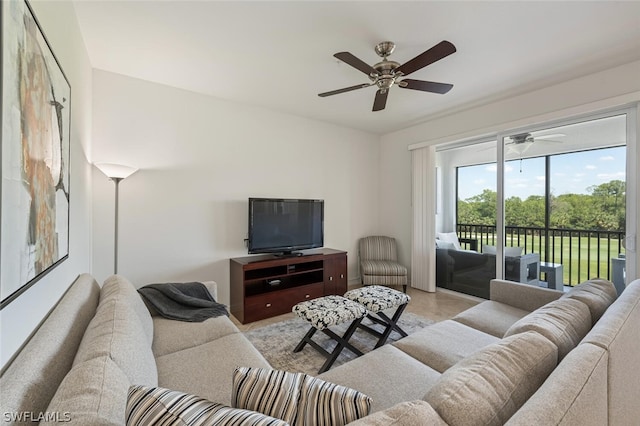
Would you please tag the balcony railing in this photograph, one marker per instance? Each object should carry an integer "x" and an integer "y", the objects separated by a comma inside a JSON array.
[{"x": 583, "y": 254}]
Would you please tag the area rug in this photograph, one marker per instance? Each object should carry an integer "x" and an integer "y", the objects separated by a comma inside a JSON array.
[{"x": 277, "y": 341}]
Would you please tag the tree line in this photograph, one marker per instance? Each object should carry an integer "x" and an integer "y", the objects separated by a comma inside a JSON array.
[{"x": 602, "y": 209}]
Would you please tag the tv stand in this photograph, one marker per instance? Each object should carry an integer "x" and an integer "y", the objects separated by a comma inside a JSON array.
[{"x": 268, "y": 285}]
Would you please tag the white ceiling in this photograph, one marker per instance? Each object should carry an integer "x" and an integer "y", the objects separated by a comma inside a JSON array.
[{"x": 278, "y": 55}]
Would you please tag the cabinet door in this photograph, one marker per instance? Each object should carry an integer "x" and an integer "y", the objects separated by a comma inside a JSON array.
[{"x": 335, "y": 275}]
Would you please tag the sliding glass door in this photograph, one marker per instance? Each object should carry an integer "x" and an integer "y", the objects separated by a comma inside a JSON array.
[
  {"x": 565, "y": 192},
  {"x": 549, "y": 205}
]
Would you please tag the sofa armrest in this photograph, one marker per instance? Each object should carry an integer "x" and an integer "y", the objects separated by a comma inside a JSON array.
[
  {"x": 212, "y": 286},
  {"x": 522, "y": 296}
]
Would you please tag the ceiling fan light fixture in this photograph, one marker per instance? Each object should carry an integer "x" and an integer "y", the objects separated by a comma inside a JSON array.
[{"x": 519, "y": 148}]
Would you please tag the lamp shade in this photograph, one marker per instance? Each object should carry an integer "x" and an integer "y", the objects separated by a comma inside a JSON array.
[{"x": 116, "y": 171}]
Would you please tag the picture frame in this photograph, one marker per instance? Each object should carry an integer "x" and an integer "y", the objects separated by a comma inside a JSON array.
[{"x": 35, "y": 158}]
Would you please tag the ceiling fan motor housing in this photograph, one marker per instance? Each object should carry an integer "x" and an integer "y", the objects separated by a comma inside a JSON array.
[
  {"x": 386, "y": 76},
  {"x": 522, "y": 138}
]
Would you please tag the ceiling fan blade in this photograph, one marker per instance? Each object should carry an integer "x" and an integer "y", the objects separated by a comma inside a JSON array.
[
  {"x": 437, "y": 52},
  {"x": 346, "y": 89},
  {"x": 547, "y": 140},
  {"x": 358, "y": 64},
  {"x": 549, "y": 136},
  {"x": 381, "y": 100},
  {"x": 425, "y": 86}
]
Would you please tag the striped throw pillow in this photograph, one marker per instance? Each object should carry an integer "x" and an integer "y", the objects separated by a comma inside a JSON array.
[
  {"x": 324, "y": 403},
  {"x": 154, "y": 405},
  {"x": 297, "y": 398},
  {"x": 271, "y": 392}
]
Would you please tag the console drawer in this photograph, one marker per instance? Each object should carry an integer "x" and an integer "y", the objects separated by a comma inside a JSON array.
[{"x": 279, "y": 302}]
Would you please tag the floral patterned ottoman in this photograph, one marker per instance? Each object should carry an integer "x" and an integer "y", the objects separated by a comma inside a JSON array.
[
  {"x": 376, "y": 299},
  {"x": 325, "y": 312}
]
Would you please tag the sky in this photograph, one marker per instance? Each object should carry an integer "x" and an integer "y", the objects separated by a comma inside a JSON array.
[{"x": 570, "y": 174}]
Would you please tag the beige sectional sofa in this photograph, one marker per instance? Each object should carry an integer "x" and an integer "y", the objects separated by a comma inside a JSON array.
[
  {"x": 527, "y": 356},
  {"x": 98, "y": 341}
]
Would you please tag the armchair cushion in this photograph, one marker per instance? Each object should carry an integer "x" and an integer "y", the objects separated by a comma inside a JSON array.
[
  {"x": 382, "y": 267},
  {"x": 378, "y": 248}
]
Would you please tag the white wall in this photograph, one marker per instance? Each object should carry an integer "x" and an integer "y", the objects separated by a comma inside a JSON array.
[
  {"x": 553, "y": 102},
  {"x": 22, "y": 316},
  {"x": 184, "y": 214}
]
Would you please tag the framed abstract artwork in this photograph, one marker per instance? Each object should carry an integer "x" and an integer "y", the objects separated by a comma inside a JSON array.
[{"x": 36, "y": 114}]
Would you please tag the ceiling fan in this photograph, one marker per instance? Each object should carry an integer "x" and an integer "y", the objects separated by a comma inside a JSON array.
[
  {"x": 386, "y": 73},
  {"x": 520, "y": 143}
]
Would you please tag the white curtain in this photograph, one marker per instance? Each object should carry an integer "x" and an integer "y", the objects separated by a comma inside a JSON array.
[{"x": 423, "y": 246}]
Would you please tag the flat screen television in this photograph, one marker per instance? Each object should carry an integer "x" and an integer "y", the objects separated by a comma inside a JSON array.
[{"x": 282, "y": 226}]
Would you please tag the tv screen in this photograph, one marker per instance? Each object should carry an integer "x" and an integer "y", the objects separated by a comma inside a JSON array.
[{"x": 279, "y": 225}]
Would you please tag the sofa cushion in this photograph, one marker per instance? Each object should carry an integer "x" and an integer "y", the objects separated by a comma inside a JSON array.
[
  {"x": 272, "y": 392},
  {"x": 387, "y": 375},
  {"x": 445, "y": 245},
  {"x": 597, "y": 294},
  {"x": 577, "y": 391},
  {"x": 407, "y": 413},
  {"x": 206, "y": 370},
  {"x": 92, "y": 393},
  {"x": 116, "y": 331},
  {"x": 565, "y": 322},
  {"x": 508, "y": 251},
  {"x": 159, "y": 406},
  {"x": 492, "y": 317},
  {"x": 117, "y": 287},
  {"x": 172, "y": 336},
  {"x": 328, "y": 404},
  {"x": 488, "y": 387},
  {"x": 522, "y": 296},
  {"x": 449, "y": 237},
  {"x": 444, "y": 344}
]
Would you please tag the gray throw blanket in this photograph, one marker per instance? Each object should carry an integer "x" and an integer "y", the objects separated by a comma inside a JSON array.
[{"x": 190, "y": 302}]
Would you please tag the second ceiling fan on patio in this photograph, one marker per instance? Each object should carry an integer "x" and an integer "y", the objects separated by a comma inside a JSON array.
[
  {"x": 386, "y": 73},
  {"x": 521, "y": 142}
]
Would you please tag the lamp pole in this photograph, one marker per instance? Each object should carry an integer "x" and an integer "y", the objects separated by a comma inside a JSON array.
[
  {"x": 116, "y": 172},
  {"x": 116, "y": 180}
]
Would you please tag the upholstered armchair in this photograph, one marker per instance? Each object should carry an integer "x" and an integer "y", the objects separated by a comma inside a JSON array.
[{"x": 379, "y": 262}]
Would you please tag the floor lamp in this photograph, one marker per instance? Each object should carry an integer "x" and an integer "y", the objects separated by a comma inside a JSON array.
[{"x": 116, "y": 173}]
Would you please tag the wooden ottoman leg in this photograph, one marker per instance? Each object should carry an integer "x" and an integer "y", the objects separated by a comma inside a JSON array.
[
  {"x": 306, "y": 339},
  {"x": 390, "y": 325},
  {"x": 342, "y": 343}
]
